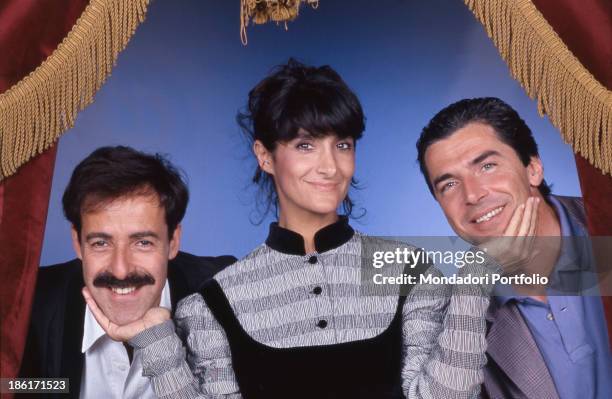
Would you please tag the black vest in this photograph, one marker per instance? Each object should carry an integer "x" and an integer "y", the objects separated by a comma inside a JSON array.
[{"x": 368, "y": 368}]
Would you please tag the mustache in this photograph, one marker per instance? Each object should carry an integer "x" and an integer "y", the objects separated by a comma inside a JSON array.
[{"x": 107, "y": 280}]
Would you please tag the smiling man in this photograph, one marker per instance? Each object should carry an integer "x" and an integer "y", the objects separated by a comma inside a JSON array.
[
  {"x": 481, "y": 163},
  {"x": 125, "y": 244},
  {"x": 125, "y": 208}
]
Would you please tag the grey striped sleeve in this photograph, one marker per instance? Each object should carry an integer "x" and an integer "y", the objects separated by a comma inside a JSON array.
[
  {"x": 444, "y": 341},
  {"x": 203, "y": 369}
]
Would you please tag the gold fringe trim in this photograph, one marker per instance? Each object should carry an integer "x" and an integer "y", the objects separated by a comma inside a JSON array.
[
  {"x": 44, "y": 104},
  {"x": 262, "y": 11},
  {"x": 575, "y": 102}
]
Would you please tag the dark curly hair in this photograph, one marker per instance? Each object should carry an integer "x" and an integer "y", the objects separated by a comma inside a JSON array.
[
  {"x": 295, "y": 96},
  {"x": 112, "y": 172},
  {"x": 505, "y": 121}
]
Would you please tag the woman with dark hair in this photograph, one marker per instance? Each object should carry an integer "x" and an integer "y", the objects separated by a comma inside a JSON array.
[{"x": 291, "y": 320}]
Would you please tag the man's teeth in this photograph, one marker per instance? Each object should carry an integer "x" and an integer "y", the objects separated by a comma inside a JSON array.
[
  {"x": 123, "y": 291},
  {"x": 486, "y": 217}
]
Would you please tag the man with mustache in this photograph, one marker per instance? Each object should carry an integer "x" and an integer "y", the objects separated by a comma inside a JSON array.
[
  {"x": 125, "y": 208},
  {"x": 481, "y": 164}
]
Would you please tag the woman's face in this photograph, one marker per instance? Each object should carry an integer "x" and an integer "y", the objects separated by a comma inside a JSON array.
[{"x": 312, "y": 175}]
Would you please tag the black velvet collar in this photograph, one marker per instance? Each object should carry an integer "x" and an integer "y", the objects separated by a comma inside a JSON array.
[{"x": 329, "y": 237}]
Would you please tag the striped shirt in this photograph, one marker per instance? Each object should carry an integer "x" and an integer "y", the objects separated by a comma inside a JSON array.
[{"x": 280, "y": 299}]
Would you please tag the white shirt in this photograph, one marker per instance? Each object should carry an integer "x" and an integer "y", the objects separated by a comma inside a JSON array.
[{"x": 107, "y": 372}]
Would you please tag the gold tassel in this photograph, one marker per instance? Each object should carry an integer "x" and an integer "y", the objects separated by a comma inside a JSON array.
[
  {"x": 44, "y": 104},
  {"x": 575, "y": 102},
  {"x": 262, "y": 11}
]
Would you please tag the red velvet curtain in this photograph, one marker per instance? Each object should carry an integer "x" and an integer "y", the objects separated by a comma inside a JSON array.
[
  {"x": 29, "y": 32},
  {"x": 585, "y": 26}
]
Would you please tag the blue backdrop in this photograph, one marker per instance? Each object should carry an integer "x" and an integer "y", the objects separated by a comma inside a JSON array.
[{"x": 177, "y": 87}]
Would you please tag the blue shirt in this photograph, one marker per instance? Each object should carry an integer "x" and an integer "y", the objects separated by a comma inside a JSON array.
[{"x": 570, "y": 330}]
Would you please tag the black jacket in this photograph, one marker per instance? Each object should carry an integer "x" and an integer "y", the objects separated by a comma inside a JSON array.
[{"x": 55, "y": 335}]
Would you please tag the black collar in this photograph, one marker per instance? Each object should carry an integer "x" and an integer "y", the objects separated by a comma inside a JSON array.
[{"x": 329, "y": 237}]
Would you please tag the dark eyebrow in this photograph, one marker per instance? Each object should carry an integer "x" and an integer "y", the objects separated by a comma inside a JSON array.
[
  {"x": 143, "y": 234},
  {"x": 475, "y": 161},
  {"x": 104, "y": 236},
  {"x": 303, "y": 134},
  {"x": 483, "y": 156},
  {"x": 442, "y": 178}
]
